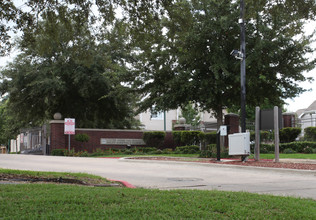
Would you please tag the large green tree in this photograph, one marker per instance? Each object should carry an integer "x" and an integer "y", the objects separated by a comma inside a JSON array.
[
  {"x": 184, "y": 52},
  {"x": 64, "y": 68}
]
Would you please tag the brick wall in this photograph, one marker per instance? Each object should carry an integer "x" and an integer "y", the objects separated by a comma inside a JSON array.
[
  {"x": 60, "y": 141},
  {"x": 288, "y": 120}
]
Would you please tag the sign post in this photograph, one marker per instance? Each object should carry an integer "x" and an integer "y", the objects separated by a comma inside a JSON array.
[{"x": 69, "y": 128}]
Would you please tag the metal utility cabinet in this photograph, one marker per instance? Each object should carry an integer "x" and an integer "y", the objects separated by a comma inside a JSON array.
[{"x": 239, "y": 144}]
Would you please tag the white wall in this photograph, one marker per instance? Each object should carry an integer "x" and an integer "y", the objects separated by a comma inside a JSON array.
[{"x": 157, "y": 124}]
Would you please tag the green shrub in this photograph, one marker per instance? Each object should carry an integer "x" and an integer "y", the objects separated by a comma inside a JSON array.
[
  {"x": 264, "y": 148},
  {"x": 82, "y": 137},
  {"x": 99, "y": 152},
  {"x": 265, "y": 136},
  {"x": 128, "y": 152},
  {"x": 310, "y": 134},
  {"x": 209, "y": 138},
  {"x": 167, "y": 151},
  {"x": 289, "y": 151},
  {"x": 69, "y": 153},
  {"x": 308, "y": 150},
  {"x": 299, "y": 147},
  {"x": 176, "y": 136},
  {"x": 157, "y": 152},
  {"x": 193, "y": 149},
  {"x": 154, "y": 138},
  {"x": 58, "y": 152},
  {"x": 208, "y": 151},
  {"x": 146, "y": 150},
  {"x": 81, "y": 154},
  {"x": 288, "y": 135},
  {"x": 185, "y": 138},
  {"x": 190, "y": 137}
]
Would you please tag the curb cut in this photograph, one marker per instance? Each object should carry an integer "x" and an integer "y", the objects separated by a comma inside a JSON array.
[{"x": 126, "y": 184}]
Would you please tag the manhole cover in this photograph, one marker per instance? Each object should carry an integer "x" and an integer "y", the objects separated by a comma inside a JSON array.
[{"x": 182, "y": 179}]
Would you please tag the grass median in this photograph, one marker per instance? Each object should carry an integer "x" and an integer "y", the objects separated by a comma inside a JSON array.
[{"x": 59, "y": 201}]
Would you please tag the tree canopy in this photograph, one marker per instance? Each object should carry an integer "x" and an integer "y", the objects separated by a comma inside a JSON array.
[
  {"x": 64, "y": 67},
  {"x": 84, "y": 60},
  {"x": 184, "y": 54}
]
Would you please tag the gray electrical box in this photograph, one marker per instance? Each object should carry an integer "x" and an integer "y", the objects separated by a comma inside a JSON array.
[{"x": 239, "y": 144}]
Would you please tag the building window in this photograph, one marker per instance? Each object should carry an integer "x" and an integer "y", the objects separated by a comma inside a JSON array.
[{"x": 156, "y": 115}]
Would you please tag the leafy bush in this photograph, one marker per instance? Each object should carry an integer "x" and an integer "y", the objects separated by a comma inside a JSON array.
[
  {"x": 209, "y": 138},
  {"x": 58, "y": 152},
  {"x": 288, "y": 135},
  {"x": 264, "y": 148},
  {"x": 99, "y": 152},
  {"x": 167, "y": 151},
  {"x": 69, "y": 153},
  {"x": 289, "y": 151},
  {"x": 265, "y": 136},
  {"x": 190, "y": 137},
  {"x": 82, "y": 137},
  {"x": 308, "y": 150},
  {"x": 209, "y": 151},
  {"x": 310, "y": 134},
  {"x": 176, "y": 136},
  {"x": 81, "y": 154},
  {"x": 128, "y": 152},
  {"x": 185, "y": 138},
  {"x": 146, "y": 149},
  {"x": 154, "y": 138},
  {"x": 299, "y": 147},
  {"x": 193, "y": 149}
]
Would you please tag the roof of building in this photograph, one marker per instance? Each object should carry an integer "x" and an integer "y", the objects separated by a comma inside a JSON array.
[
  {"x": 300, "y": 111},
  {"x": 311, "y": 107},
  {"x": 310, "y": 110}
]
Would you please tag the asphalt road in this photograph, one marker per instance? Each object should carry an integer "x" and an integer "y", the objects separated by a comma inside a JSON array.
[{"x": 176, "y": 175}]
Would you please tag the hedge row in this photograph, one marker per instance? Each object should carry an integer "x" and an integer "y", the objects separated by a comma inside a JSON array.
[
  {"x": 185, "y": 138},
  {"x": 295, "y": 147},
  {"x": 188, "y": 138},
  {"x": 135, "y": 150},
  {"x": 286, "y": 135},
  {"x": 154, "y": 138},
  {"x": 310, "y": 134}
]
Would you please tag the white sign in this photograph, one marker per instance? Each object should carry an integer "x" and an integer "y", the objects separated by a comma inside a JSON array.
[
  {"x": 69, "y": 126},
  {"x": 223, "y": 130},
  {"x": 121, "y": 141}
]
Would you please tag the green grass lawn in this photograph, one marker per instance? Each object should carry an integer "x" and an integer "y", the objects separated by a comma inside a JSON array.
[
  {"x": 56, "y": 201},
  {"x": 49, "y": 201}
]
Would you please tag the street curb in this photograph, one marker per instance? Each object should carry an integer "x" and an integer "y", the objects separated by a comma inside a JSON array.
[
  {"x": 126, "y": 184},
  {"x": 223, "y": 165}
]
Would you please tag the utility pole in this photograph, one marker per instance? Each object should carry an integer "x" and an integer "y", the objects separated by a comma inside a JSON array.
[{"x": 243, "y": 65}]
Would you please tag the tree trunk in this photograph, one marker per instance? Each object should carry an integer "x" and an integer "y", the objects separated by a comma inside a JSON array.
[{"x": 219, "y": 116}]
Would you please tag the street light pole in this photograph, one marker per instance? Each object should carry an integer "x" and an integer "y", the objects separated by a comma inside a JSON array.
[{"x": 243, "y": 66}]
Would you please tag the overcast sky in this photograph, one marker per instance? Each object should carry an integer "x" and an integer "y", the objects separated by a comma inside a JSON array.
[{"x": 307, "y": 98}]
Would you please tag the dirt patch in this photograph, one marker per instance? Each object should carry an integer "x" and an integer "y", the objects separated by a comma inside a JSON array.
[
  {"x": 261, "y": 163},
  {"x": 20, "y": 178}
]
